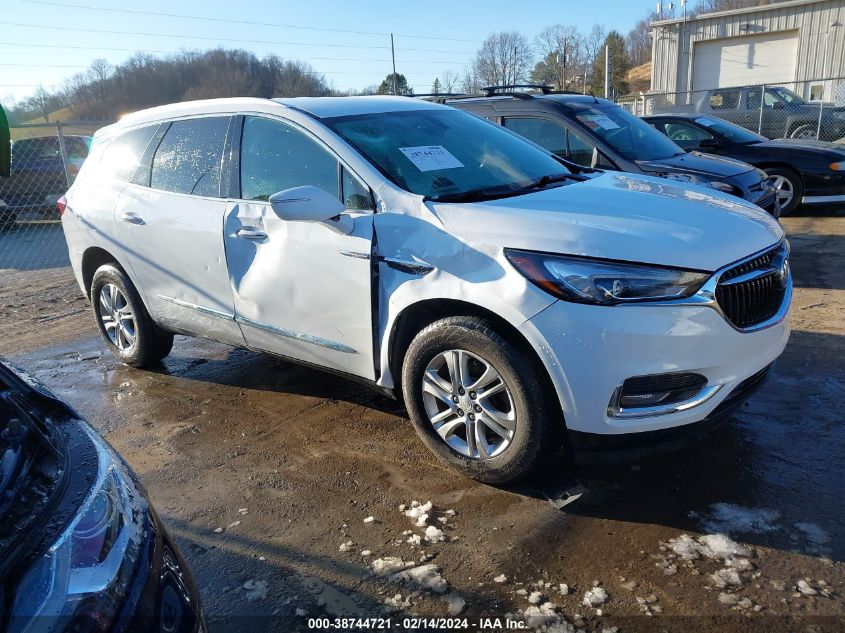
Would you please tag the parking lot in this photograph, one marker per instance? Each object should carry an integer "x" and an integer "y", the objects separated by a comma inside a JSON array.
[{"x": 265, "y": 472}]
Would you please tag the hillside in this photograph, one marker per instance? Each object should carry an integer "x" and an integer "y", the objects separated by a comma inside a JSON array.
[{"x": 639, "y": 78}]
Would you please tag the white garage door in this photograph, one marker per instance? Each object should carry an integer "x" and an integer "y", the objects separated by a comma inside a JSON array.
[{"x": 740, "y": 61}]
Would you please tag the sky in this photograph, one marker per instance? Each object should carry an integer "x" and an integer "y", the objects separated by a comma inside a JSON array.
[{"x": 46, "y": 41}]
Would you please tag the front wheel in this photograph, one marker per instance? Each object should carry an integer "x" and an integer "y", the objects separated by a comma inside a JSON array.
[
  {"x": 478, "y": 401},
  {"x": 123, "y": 319}
]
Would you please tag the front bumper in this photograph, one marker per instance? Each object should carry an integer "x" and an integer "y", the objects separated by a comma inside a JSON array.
[
  {"x": 825, "y": 187},
  {"x": 590, "y": 350}
]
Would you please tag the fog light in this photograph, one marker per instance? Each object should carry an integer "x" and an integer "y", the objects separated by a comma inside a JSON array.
[{"x": 647, "y": 391}]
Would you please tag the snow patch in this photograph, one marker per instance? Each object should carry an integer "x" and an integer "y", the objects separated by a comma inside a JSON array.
[
  {"x": 595, "y": 597},
  {"x": 424, "y": 576},
  {"x": 369, "y": 520},
  {"x": 500, "y": 578},
  {"x": 345, "y": 547},
  {"x": 434, "y": 535},
  {"x": 388, "y": 565},
  {"x": 535, "y": 597},
  {"x": 454, "y": 603}
]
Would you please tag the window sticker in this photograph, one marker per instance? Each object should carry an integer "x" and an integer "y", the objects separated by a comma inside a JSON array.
[
  {"x": 603, "y": 121},
  {"x": 705, "y": 121},
  {"x": 431, "y": 157}
]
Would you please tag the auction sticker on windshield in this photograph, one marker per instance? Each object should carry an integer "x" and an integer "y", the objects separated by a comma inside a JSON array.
[
  {"x": 431, "y": 157},
  {"x": 603, "y": 121}
]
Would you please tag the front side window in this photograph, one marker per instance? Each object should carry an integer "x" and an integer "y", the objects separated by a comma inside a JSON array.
[
  {"x": 628, "y": 135},
  {"x": 686, "y": 135},
  {"x": 445, "y": 154},
  {"x": 729, "y": 130},
  {"x": 276, "y": 156},
  {"x": 579, "y": 149},
  {"x": 188, "y": 160},
  {"x": 355, "y": 195},
  {"x": 546, "y": 134}
]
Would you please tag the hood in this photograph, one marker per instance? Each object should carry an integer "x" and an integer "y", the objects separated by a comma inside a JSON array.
[
  {"x": 620, "y": 216},
  {"x": 696, "y": 162},
  {"x": 835, "y": 150}
]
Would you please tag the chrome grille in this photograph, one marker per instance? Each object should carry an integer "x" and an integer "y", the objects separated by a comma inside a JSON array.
[{"x": 752, "y": 292}]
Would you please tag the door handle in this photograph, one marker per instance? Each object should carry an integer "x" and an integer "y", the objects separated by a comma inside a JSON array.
[
  {"x": 251, "y": 234},
  {"x": 132, "y": 218}
]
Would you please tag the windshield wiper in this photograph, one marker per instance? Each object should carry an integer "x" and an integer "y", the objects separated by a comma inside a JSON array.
[
  {"x": 474, "y": 195},
  {"x": 545, "y": 181}
]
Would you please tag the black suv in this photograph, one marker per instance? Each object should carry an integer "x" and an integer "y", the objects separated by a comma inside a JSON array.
[{"x": 598, "y": 133}]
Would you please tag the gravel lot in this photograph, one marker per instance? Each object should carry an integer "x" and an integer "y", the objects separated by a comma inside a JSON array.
[{"x": 266, "y": 472}]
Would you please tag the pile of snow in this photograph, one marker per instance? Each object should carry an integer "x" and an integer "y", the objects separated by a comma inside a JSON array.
[
  {"x": 724, "y": 577},
  {"x": 713, "y": 546},
  {"x": 369, "y": 520},
  {"x": 396, "y": 602},
  {"x": 535, "y": 597},
  {"x": 345, "y": 547},
  {"x": 419, "y": 512},
  {"x": 434, "y": 535},
  {"x": 414, "y": 539},
  {"x": 500, "y": 578},
  {"x": 595, "y": 597},
  {"x": 424, "y": 576},
  {"x": 389, "y": 565}
]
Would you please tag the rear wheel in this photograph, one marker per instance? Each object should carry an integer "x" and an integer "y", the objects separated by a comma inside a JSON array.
[
  {"x": 477, "y": 400},
  {"x": 788, "y": 187},
  {"x": 123, "y": 320},
  {"x": 804, "y": 131}
]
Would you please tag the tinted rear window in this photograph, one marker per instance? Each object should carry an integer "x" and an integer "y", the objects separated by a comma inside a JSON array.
[
  {"x": 123, "y": 154},
  {"x": 189, "y": 156}
]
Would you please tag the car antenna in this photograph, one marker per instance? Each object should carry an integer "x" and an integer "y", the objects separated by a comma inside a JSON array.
[{"x": 593, "y": 96}]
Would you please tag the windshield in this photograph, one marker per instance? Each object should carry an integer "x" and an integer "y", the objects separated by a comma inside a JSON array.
[
  {"x": 632, "y": 137},
  {"x": 787, "y": 95},
  {"x": 445, "y": 154},
  {"x": 730, "y": 131}
]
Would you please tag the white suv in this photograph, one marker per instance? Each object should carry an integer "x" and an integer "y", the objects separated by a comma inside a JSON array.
[{"x": 406, "y": 243}]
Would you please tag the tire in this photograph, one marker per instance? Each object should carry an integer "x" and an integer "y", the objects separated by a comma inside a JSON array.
[
  {"x": 804, "y": 131},
  {"x": 123, "y": 320},
  {"x": 535, "y": 421},
  {"x": 786, "y": 179}
]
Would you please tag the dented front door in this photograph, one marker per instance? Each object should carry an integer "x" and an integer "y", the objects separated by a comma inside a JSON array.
[{"x": 302, "y": 289}]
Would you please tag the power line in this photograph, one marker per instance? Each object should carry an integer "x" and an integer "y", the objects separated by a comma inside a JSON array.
[
  {"x": 316, "y": 72},
  {"x": 160, "y": 52},
  {"x": 247, "y": 22},
  {"x": 221, "y": 39}
]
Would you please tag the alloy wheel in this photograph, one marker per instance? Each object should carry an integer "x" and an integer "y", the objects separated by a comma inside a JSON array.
[
  {"x": 117, "y": 317},
  {"x": 469, "y": 404},
  {"x": 784, "y": 190}
]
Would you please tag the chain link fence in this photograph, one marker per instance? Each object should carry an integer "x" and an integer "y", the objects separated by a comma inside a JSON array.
[
  {"x": 813, "y": 109},
  {"x": 36, "y": 282}
]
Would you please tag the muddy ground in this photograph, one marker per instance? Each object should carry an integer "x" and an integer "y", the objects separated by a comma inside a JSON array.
[{"x": 265, "y": 472}]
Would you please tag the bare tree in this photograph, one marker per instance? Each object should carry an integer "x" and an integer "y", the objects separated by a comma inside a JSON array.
[
  {"x": 639, "y": 40},
  {"x": 449, "y": 80},
  {"x": 504, "y": 58},
  {"x": 41, "y": 100},
  {"x": 562, "y": 49},
  {"x": 470, "y": 83}
]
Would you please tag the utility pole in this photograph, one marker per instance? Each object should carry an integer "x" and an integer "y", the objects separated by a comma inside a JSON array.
[
  {"x": 393, "y": 57},
  {"x": 607, "y": 72}
]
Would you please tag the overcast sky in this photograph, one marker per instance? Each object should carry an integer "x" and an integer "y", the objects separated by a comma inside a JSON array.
[{"x": 347, "y": 41}]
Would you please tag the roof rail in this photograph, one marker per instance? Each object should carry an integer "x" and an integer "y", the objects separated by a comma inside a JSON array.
[
  {"x": 439, "y": 94},
  {"x": 491, "y": 90}
]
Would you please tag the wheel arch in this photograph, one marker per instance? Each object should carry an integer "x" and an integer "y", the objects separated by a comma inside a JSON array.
[
  {"x": 92, "y": 259},
  {"x": 416, "y": 316}
]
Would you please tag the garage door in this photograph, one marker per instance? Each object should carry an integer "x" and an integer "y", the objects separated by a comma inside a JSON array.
[{"x": 739, "y": 61}]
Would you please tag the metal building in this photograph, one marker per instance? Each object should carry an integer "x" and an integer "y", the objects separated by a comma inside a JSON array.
[{"x": 800, "y": 43}]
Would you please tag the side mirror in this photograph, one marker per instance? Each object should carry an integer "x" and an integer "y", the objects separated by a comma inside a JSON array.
[
  {"x": 311, "y": 204},
  {"x": 708, "y": 143},
  {"x": 778, "y": 105}
]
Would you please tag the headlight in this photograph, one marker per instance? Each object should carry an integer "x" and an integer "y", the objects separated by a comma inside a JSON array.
[
  {"x": 704, "y": 182},
  {"x": 604, "y": 283},
  {"x": 82, "y": 579}
]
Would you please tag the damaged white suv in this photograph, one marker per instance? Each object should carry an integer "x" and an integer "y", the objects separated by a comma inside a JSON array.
[{"x": 518, "y": 306}]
